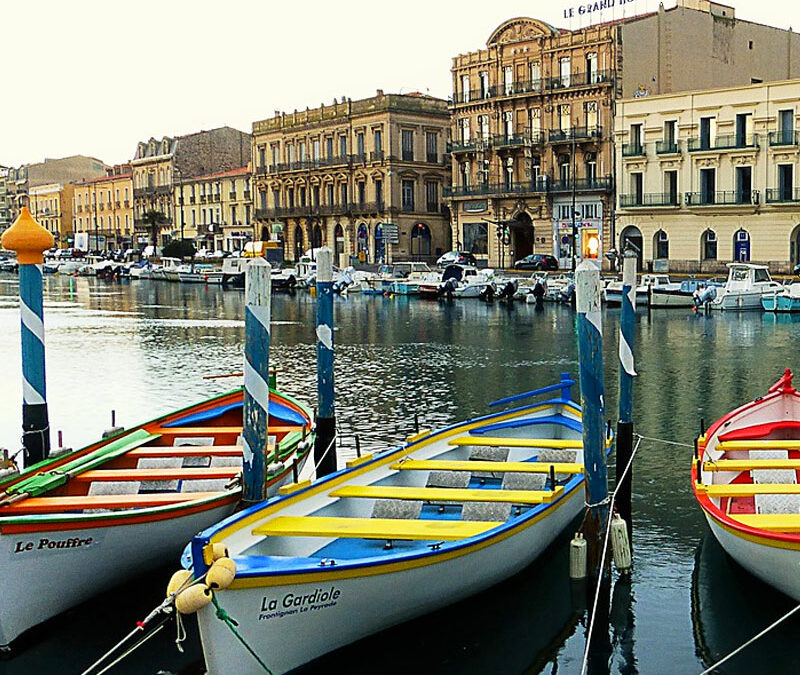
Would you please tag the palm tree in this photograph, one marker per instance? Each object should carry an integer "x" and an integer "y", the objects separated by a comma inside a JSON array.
[{"x": 153, "y": 218}]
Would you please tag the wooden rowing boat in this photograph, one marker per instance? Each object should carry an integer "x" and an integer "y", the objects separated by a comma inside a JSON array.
[
  {"x": 745, "y": 481},
  {"x": 75, "y": 525},
  {"x": 393, "y": 535}
]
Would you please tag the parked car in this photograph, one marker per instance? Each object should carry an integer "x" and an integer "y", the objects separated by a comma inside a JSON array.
[
  {"x": 456, "y": 258},
  {"x": 536, "y": 261}
]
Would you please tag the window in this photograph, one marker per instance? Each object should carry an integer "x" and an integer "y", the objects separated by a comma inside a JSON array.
[
  {"x": 233, "y": 214},
  {"x": 536, "y": 169},
  {"x": 329, "y": 147},
  {"x": 408, "y": 145},
  {"x": 590, "y": 166},
  {"x": 290, "y": 153},
  {"x": 785, "y": 127},
  {"x": 407, "y": 191},
  {"x": 708, "y": 178},
  {"x": 508, "y": 173},
  {"x": 637, "y": 194},
  {"x": 379, "y": 192},
  {"x": 464, "y": 172},
  {"x": 432, "y": 196},
  {"x": 591, "y": 68},
  {"x": 315, "y": 149},
  {"x": 315, "y": 195},
  {"x": 343, "y": 193},
  {"x": 362, "y": 192},
  {"x": 508, "y": 80},
  {"x": 465, "y": 88},
  {"x": 535, "y": 123},
  {"x": 378, "y": 140},
  {"x": 476, "y": 238},
  {"x": 483, "y": 127},
  {"x": 302, "y": 195},
  {"x": 744, "y": 185},
  {"x": 262, "y": 200},
  {"x": 707, "y": 132},
  {"x": 432, "y": 147},
  {"x": 301, "y": 151},
  {"x": 785, "y": 182},
  {"x": 508, "y": 124},
  {"x": 290, "y": 197},
  {"x": 564, "y": 120},
  {"x": 708, "y": 245},
  {"x": 330, "y": 195},
  {"x": 276, "y": 198},
  {"x": 536, "y": 75},
  {"x": 636, "y": 138},
  {"x": 360, "y": 145},
  {"x": 661, "y": 245},
  {"x": 483, "y": 76},
  {"x": 671, "y": 187},
  {"x": 670, "y": 144},
  {"x": 563, "y": 168},
  {"x": 342, "y": 146},
  {"x": 564, "y": 70},
  {"x": 744, "y": 129},
  {"x": 463, "y": 126},
  {"x": 590, "y": 108}
]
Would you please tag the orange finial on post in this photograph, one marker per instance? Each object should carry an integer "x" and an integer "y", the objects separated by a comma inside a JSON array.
[{"x": 28, "y": 238}]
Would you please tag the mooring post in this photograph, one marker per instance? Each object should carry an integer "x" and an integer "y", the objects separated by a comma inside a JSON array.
[
  {"x": 255, "y": 435},
  {"x": 624, "y": 441},
  {"x": 30, "y": 240},
  {"x": 590, "y": 354},
  {"x": 325, "y": 442}
]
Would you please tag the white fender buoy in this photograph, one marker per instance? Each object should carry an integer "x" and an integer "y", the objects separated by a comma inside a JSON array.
[
  {"x": 191, "y": 599},
  {"x": 620, "y": 546},
  {"x": 577, "y": 557},
  {"x": 177, "y": 581},
  {"x": 275, "y": 467},
  {"x": 221, "y": 574}
]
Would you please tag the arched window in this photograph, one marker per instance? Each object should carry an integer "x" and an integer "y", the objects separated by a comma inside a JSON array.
[
  {"x": 660, "y": 245},
  {"x": 708, "y": 245},
  {"x": 298, "y": 242},
  {"x": 338, "y": 235},
  {"x": 420, "y": 240},
  {"x": 380, "y": 247},
  {"x": 316, "y": 237},
  {"x": 362, "y": 243}
]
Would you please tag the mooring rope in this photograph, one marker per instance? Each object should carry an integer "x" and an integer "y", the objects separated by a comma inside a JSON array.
[
  {"x": 605, "y": 550},
  {"x": 663, "y": 440},
  {"x": 325, "y": 454},
  {"x": 231, "y": 623},
  {"x": 750, "y": 641}
]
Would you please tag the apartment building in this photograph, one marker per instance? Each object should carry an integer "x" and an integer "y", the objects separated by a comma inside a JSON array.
[
  {"x": 103, "y": 208},
  {"x": 51, "y": 206}
]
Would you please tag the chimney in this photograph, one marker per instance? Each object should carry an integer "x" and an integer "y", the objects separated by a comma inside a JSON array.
[
  {"x": 277, "y": 113},
  {"x": 380, "y": 92}
]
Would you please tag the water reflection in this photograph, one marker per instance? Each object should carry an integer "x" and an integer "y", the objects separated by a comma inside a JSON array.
[{"x": 143, "y": 349}]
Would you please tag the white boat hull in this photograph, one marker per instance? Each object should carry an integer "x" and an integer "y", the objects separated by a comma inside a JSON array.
[
  {"x": 662, "y": 298},
  {"x": 742, "y": 301},
  {"x": 778, "y": 567},
  {"x": 356, "y": 607}
]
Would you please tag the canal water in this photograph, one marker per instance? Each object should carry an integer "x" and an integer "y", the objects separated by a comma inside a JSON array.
[{"x": 144, "y": 348}]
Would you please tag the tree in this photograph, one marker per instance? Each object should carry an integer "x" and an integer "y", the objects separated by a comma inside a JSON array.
[
  {"x": 179, "y": 249},
  {"x": 154, "y": 218}
]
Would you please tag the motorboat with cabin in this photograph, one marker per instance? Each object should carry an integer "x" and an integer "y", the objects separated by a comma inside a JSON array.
[
  {"x": 613, "y": 290},
  {"x": 746, "y": 285}
]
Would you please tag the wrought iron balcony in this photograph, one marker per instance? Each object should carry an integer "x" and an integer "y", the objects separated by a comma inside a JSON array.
[
  {"x": 785, "y": 195},
  {"x": 633, "y": 150},
  {"x": 485, "y": 189},
  {"x": 723, "y": 198},
  {"x": 668, "y": 147},
  {"x": 463, "y": 146},
  {"x": 602, "y": 183},
  {"x": 575, "y": 134},
  {"x": 725, "y": 142},
  {"x": 784, "y": 137},
  {"x": 377, "y": 156},
  {"x": 508, "y": 140},
  {"x": 647, "y": 199}
]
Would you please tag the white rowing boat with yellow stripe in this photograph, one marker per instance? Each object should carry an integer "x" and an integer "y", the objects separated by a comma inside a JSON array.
[{"x": 394, "y": 535}]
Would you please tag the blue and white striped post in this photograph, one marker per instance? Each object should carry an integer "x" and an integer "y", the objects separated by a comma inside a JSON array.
[
  {"x": 325, "y": 442},
  {"x": 30, "y": 240},
  {"x": 624, "y": 440},
  {"x": 590, "y": 355},
  {"x": 255, "y": 436}
]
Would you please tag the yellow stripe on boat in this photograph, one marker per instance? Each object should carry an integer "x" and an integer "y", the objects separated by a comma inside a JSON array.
[
  {"x": 372, "y": 528},
  {"x": 748, "y": 464},
  {"x": 448, "y": 494},
  {"x": 750, "y": 489},
  {"x": 770, "y": 444},
  {"x": 560, "y": 443},
  {"x": 774, "y": 522},
  {"x": 483, "y": 465}
]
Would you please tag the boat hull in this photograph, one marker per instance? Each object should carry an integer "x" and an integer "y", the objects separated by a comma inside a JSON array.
[
  {"x": 738, "y": 302},
  {"x": 667, "y": 299},
  {"x": 780, "y": 303},
  {"x": 270, "y": 618}
]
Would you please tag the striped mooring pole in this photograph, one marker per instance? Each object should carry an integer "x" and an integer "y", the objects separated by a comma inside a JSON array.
[
  {"x": 325, "y": 441},
  {"x": 30, "y": 240},
  {"x": 255, "y": 438},
  {"x": 590, "y": 357},
  {"x": 624, "y": 440}
]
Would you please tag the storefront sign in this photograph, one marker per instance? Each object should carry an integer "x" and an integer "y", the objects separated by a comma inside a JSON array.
[{"x": 475, "y": 206}]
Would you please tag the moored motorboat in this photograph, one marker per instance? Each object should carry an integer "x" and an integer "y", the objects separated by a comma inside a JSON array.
[
  {"x": 746, "y": 285},
  {"x": 394, "y": 535},
  {"x": 679, "y": 295},
  {"x": 786, "y": 300},
  {"x": 745, "y": 480},
  {"x": 199, "y": 273},
  {"x": 75, "y": 525},
  {"x": 613, "y": 290},
  {"x": 466, "y": 281}
]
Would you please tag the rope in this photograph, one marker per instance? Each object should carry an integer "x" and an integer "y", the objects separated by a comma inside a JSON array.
[
  {"x": 605, "y": 550},
  {"x": 229, "y": 621},
  {"x": 751, "y": 640},
  {"x": 325, "y": 454},
  {"x": 661, "y": 440}
]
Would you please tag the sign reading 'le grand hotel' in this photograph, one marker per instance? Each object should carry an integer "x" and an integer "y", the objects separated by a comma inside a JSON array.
[{"x": 593, "y": 7}]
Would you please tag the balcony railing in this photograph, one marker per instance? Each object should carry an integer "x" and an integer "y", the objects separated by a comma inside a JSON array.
[
  {"x": 521, "y": 187},
  {"x": 602, "y": 183},
  {"x": 630, "y": 201},
  {"x": 508, "y": 140},
  {"x": 783, "y": 195},
  {"x": 633, "y": 150},
  {"x": 377, "y": 156},
  {"x": 575, "y": 134},
  {"x": 667, "y": 147},
  {"x": 722, "y": 198},
  {"x": 581, "y": 79},
  {"x": 463, "y": 146},
  {"x": 725, "y": 142},
  {"x": 308, "y": 210},
  {"x": 784, "y": 137},
  {"x": 246, "y": 194},
  {"x": 232, "y": 195}
]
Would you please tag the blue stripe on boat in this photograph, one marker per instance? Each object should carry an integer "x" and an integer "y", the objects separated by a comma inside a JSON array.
[
  {"x": 277, "y": 412},
  {"x": 552, "y": 419}
]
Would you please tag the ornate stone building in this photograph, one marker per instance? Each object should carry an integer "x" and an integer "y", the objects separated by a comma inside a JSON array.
[{"x": 344, "y": 175}]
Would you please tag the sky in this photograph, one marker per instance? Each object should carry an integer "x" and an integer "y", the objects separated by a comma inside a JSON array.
[{"x": 95, "y": 77}]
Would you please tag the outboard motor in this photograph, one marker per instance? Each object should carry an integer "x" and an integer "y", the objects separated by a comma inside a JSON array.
[
  {"x": 448, "y": 288},
  {"x": 703, "y": 295},
  {"x": 487, "y": 294},
  {"x": 508, "y": 291},
  {"x": 538, "y": 293}
]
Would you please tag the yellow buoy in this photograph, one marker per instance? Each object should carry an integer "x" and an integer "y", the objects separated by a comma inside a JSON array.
[
  {"x": 221, "y": 574},
  {"x": 191, "y": 599},
  {"x": 178, "y": 581},
  {"x": 219, "y": 551}
]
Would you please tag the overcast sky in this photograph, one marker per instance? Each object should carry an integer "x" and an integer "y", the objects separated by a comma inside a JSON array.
[{"x": 95, "y": 77}]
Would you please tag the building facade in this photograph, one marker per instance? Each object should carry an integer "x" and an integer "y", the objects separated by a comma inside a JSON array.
[
  {"x": 352, "y": 174},
  {"x": 216, "y": 210},
  {"x": 158, "y": 166},
  {"x": 710, "y": 177},
  {"x": 103, "y": 208},
  {"x": 5, "y": 201},
  {"x": 531, "y": 143},
  {"x": 51, "y": 206}
]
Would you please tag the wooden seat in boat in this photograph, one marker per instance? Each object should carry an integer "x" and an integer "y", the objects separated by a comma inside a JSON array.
[
  {"x": 750, "y": 464},
  {"x": 372, "y": 528},
  {"x": 447, "y": 494},
  {"x": 750, "y": 489},
  {"x": 497, "y": 467},
  {"x": 769, "y": 444},
  {"x": 155, "y": 474},
  {"x": 187, "y": 451},
  {"x": 115, "y": 501},
  {"x": 775, "y": 522},
  {"x": 561, "y": 443}
]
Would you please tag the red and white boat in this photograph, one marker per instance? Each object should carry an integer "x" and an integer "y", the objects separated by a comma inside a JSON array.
[{"x": 745, "y": 478}]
